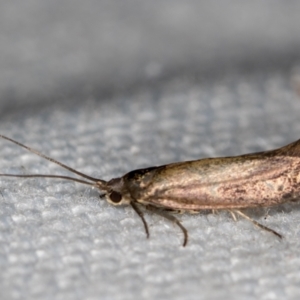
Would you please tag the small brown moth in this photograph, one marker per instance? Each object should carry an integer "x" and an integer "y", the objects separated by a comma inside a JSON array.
[{"x": 260, "y": 179}]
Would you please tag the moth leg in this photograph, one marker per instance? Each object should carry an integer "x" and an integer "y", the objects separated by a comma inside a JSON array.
[
  {"x": 266, "y": 214},
  {"x": 233, "y": 215},
  {"x": 170, "y": 218},
  {"x": 215, "y": 211},
  {"x": 141, "y": 215},
  {"x": 257, "y": 224}
]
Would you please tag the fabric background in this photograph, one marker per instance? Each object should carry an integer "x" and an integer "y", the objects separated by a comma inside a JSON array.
[{"x": 111, "y": 86}]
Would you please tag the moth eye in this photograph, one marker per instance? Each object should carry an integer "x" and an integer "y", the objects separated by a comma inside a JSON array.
[{"x": 115, "y": 197}]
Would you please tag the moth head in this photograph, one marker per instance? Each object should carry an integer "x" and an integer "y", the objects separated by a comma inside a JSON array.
[{"x": 115, "y": 193}]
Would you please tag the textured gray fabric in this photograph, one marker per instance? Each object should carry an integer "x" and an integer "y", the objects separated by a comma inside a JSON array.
[{"x": 58, "y": 240}]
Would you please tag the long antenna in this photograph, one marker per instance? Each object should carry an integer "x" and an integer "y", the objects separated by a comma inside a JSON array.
[
  {"x": 49, "y": 176},
  {"x": 99, "y": 181}
]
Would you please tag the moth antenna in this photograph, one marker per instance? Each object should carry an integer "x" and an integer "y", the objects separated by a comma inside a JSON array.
[
  {"x": 49, "y": 176},
  {"x": 101, "y": 183}
]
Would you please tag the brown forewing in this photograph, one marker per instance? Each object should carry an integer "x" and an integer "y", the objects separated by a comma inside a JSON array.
[{"x": 261, "y": 179}]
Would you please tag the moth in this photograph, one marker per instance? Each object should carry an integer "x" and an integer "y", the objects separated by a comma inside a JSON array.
[{"x": 261, "y": 179}]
